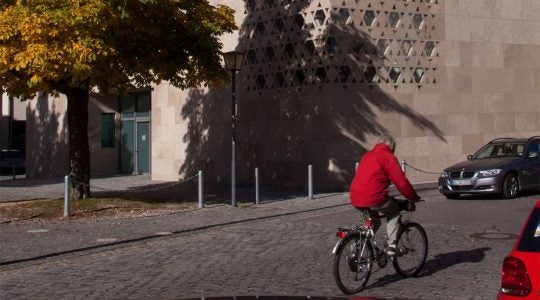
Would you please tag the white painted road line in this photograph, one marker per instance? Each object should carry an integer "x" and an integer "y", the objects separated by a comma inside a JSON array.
[
  {"x": 37, "y": 230},
  {"x": 106, "y": 240}
]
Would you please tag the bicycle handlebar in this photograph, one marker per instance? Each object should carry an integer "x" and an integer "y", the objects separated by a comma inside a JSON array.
[{"x": 406, "y": 205}]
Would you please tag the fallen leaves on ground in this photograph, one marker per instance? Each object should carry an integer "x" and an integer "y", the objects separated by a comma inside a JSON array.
[{"x": 88, "y": 208}]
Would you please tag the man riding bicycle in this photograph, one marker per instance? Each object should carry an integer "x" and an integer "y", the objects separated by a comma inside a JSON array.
[{"x": 369, "y": 189}]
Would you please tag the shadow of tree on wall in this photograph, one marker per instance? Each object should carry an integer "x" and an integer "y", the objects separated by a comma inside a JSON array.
[
  {"x": 47, "y": 147},
  {"x": 298, "y": 103},
  {"x": 12, "y": 129}
]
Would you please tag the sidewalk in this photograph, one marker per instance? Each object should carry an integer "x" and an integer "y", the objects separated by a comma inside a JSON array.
[
  {"x": 142, "y": 187},
  {"x": 29, "y": 241},
  {"x": 32, "y": 189},
  {"x": 28, "y": 189},
  {"x": 26, "y": 242}
]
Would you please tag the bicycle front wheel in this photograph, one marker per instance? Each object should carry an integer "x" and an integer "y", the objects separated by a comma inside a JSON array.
[
  {"x": 412, "y": 249},
  {"x": 352, "y": 264}
]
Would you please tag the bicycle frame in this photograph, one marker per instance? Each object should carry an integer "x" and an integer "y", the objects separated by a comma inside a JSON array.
[
  {"x": 357, "y": 249},
  {"x": 366, "y": 229}
]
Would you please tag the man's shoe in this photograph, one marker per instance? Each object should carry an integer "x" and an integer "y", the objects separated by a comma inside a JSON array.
[{"x": 391, "y": 250}]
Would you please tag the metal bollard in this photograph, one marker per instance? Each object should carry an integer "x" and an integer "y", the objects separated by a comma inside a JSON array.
[
  {"x": 256, "y": 185},
  {"x": 233, "y": 178},
  {"x": 355, "y": 166},
  {"x": 201, "y": 196},
  {"x": 66, "y": 196},
  {"x": 404, "y": 167},
  {"x": 13, "y": 169},
  {"x": 310, "y": 181}
]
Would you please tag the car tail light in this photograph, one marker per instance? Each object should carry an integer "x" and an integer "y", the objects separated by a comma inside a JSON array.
[
  {"x": 515, "y": 280},
  {"x": 341, "y": 234}
]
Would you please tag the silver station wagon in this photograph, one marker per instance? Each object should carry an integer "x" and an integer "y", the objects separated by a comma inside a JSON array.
[{"x": 504, "y": 166}]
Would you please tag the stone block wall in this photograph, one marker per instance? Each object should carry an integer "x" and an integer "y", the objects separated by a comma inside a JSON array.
[
  {"x": 47, "y": 152},
  {"x": 322, "y": 79},
  {"x": 104, "y": 161}
]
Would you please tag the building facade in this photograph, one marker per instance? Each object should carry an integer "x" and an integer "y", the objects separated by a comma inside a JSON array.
[
  {"x": 321, "y": 80},
  {"x": 12, "y": 123}
]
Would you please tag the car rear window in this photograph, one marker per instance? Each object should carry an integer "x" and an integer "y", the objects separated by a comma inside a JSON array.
[{"x": 530, "y": 241}]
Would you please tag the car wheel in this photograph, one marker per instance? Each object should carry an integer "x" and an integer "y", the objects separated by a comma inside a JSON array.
[
  {"x": 510, "y": 186},
  {"x": 452, "y": 196}
]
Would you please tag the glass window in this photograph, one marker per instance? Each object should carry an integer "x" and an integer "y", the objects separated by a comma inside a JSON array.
[
  {"x": 500, "y": 150},
  {"x": 142, "y": 114},
  {"x": 279, "y": 25},
  {"x": 143, "y": 102},
  {"x": 512, "y": 150},
  {"x": 343, "y": 16},
  {"x": 517, "y": 149},
  {"x": 418, "y": 21},
  {"x": 394, "y": 19},
  {"x": 331, "y": 45},
  {"x": 534, "y": 151},
  {"x": 135, "y": 104},
  {"x": 107, "y": 130},
  {"x": 127, "y": 115},
  {"x": 319, "y": 17},
  {"x": 429, "y": 48},
  {"x": 485, "y": 152},
  {"x": 534, "y": 147},
  {"x": 369, "y": 17},
  {"x": 530, "y": 241},
  {"x": 127, "y": 103},
  {"x": 127, "y": 146}
]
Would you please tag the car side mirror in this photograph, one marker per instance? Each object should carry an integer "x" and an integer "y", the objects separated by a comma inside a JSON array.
[
  {"x": 533, "y": 154},
  {"x": 469, "y": 157}
]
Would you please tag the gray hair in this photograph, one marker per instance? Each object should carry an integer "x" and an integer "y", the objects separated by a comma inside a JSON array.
[{"x": 388, "y": 140}]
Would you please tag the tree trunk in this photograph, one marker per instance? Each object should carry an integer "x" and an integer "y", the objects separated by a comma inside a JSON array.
[{"x": 79, "y": 150}]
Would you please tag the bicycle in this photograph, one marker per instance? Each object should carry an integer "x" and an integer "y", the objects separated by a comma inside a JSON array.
[{"x": 357, "y": 250}]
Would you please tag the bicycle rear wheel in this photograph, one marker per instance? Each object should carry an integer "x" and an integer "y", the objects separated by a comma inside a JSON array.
[
  {"x": 352, "y": 264},
  {"x": 412, "y": 249}
]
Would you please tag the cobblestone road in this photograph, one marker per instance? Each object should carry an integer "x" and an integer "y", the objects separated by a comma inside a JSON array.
[{"x": 281, "y": 248}]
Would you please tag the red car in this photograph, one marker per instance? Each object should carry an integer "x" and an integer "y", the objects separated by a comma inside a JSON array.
[{"x": 521, "y": 268}]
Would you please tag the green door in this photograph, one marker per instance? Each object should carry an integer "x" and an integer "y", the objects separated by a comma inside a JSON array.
[
  {"x": 127, "y": 149},
  {"x": 143, "y": 147},
  {"x": 135, "y": 133}
]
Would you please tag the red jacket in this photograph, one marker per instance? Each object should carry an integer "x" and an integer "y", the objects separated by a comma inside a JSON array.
[{"x": 378, "y": 168}]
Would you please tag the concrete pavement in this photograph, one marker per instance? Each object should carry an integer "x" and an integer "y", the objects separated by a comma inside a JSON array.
[
  {"x": 275, "y": 248},
  {"x": 53, "y": 188},
  {"x": 72, "y": 235}
]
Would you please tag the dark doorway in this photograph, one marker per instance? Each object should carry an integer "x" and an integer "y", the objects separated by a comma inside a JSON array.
[{"x": 135, "y": 133}]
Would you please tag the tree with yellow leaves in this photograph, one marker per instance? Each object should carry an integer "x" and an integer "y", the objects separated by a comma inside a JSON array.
[{"x": 74, "y": 47}]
